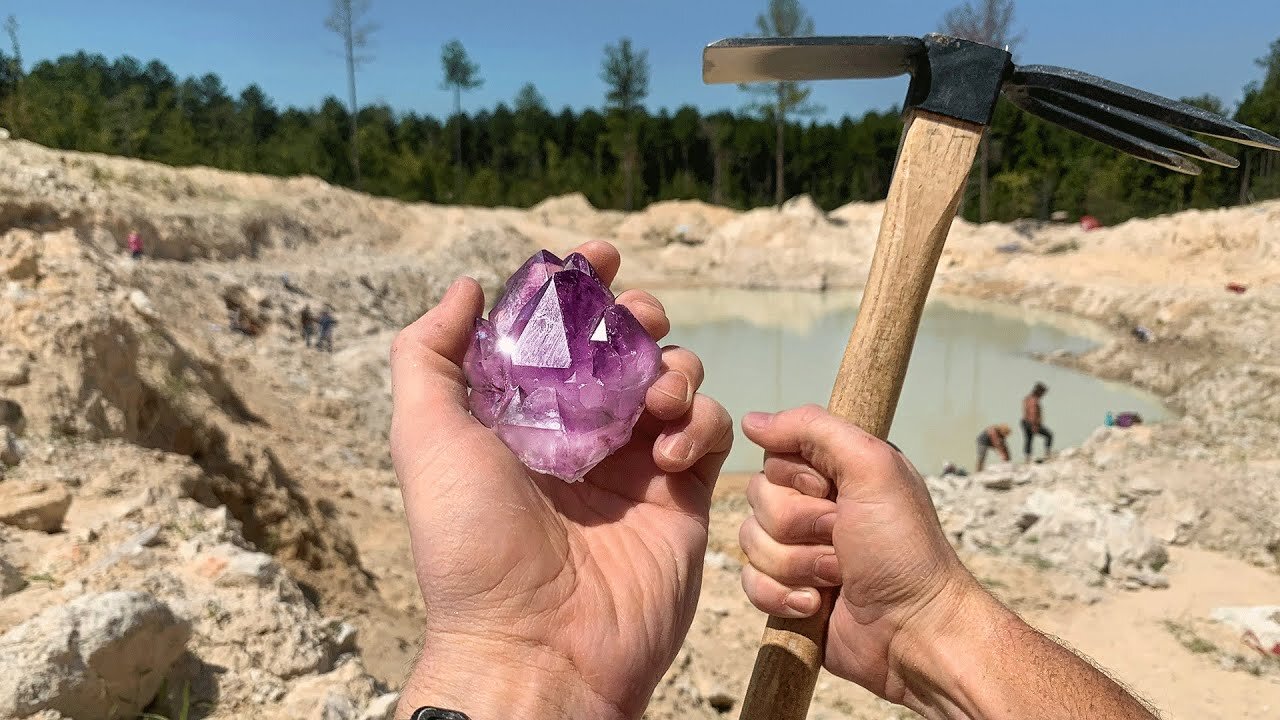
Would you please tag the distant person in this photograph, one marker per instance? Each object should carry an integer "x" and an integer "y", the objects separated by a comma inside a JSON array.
[
  {"x": 326, "y": 321},
  {"x": 135, "y": 245},
  {"x": 1033, "y": 421},
  {"x": 308, "y": 323},
  {"x": 993, "y": 438}
]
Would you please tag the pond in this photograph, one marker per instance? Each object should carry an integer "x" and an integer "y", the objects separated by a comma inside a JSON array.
[{"x": 971, "y": 367}]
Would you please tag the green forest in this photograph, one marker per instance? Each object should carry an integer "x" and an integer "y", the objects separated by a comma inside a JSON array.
[{"x": 621, "y": 155}]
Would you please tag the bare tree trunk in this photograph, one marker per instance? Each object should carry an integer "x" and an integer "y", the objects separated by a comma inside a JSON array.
[
  {"x": 1244, "y": 177},
  {"x": 457, "y": 144},
  {"x": 779, "y": 192},
  {"x": 18, "y": 120},
  {"x": 349, "y": 39},
  {"x": 717, "y": 177},
  {"x": 984, "y": 191},
  {"x": 628, "y": 170}
]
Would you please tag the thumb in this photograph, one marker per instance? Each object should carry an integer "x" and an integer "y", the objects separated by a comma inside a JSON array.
[
  {"x": 428, "y": 387},
  {"x": 836, "y": 448}
]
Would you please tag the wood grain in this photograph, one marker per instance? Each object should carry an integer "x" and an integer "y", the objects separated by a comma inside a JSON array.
[{"x": 934, "y": 161}]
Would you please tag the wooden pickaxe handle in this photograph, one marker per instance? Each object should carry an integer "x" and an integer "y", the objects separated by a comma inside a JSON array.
[{"x": 933, "y": 165}]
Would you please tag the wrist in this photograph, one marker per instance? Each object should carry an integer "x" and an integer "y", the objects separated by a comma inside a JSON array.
[
  {"x": 941, "y": 658},
  {"x": 496, "y": 679}
]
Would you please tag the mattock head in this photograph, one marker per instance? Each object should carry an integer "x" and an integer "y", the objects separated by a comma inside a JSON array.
[{"x": 963, "y": 79}]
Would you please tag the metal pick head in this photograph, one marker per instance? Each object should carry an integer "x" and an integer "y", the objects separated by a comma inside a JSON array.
[{"x": 962, "y": 79}]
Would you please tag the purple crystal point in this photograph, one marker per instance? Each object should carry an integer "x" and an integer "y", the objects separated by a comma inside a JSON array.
[{"x": 559, "y": 370}]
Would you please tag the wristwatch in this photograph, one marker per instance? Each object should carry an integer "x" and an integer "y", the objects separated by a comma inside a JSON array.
[{"x": 430, "y": 713}]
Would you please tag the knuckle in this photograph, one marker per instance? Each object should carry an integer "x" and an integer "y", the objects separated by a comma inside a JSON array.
[
  {"x": 784, "y": 521},
  {"x": 809, "y": 414},
  {"x": 745, "y": 535},
  {"x": 879, "y": 455}
]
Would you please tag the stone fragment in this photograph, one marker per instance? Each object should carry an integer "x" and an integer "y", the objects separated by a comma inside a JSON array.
[
  {"x": 1258, "y": 625},
  {"x": 382, "y": 707},
  {"x": 11, "y": 581},
  {"x": 15, "y": 367},
  {"x": 559, "y": 370},
  {"x": 72, "y": 658},
  {"x": 11, "y": 450},
  {"x": 33, "y": 505},
  {"x": 228, "y": 566}
]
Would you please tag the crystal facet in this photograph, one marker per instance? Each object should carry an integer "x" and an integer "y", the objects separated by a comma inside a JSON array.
[{"x": 559, "y": 370}]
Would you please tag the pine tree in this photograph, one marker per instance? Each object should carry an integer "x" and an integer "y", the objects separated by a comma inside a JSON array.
[
  {"x": 347, "y": 20},
  {"x": 625, "y": 72},
  {"x": 779, "y": 100},
  {"x": 460, "y": 74}
]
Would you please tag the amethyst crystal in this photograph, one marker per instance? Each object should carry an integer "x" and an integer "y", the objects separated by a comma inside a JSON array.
[{"x": 559, "y": 370}]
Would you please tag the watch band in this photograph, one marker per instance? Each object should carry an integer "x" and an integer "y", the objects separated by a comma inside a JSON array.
[{"x": 431, "y": 713}]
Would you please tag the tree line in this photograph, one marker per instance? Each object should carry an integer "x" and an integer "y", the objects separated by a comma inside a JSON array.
[{"x": 622, "y": 155}]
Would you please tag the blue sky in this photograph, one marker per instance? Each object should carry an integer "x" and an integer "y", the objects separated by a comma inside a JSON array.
[{"x": 1167, "y": 47}]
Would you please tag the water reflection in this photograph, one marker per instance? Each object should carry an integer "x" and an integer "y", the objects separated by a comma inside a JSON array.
[{"x": 767, "y": 350}]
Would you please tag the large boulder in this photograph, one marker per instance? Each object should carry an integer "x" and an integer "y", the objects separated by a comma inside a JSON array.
[
  {"x": 99, "y": 656},
  {"x": 1074, "y": 533},
  {"x": 33, "y": 504}
]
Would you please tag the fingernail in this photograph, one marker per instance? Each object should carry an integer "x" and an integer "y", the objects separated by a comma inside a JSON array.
[
  {"x": 453, "y": 287},
  {"x": 827, "y": 568},
  {"x": 811, "y": 485},
  {"x": 678, "y": 447},
  {"x": 674, "y": 385},
  {"x": 804, "y": 602},
  {"x": 757, "y": 420},
  {"x": 825, "y": 525}
]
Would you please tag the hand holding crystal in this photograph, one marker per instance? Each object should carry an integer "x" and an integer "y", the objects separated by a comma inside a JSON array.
[{"x": 546, "y": 598}]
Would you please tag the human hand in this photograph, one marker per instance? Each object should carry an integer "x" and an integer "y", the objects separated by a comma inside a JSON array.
[
  {"x": 901, "y": 583},
  {"x": 544, "y": 598}
]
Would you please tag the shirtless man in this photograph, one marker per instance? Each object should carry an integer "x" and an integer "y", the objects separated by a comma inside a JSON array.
[
  {"x": 993, "y": 438},
  {"x": 1032, "y": 422}
]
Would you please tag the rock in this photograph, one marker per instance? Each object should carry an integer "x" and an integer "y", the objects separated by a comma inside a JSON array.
[
  {"x": 336, "y": 695},
  {"x": 1151, "y": 579},
  {"x": 33, "y": 505},
  {"x": 4, "y": 134},
  {"x": 227, "y": 565},
  {"x": 15, "y": 368},
  {"x": 11, "y": 581},
  {"x": 721, "y": 700},
  {"x": 1259, "y": 625},
  {"x": 11, "y": 416},
  {"x": 11, "y": 450},
  {"x": 19, "y": 255},
  {"x": 70, "y": 658},
  {"x": 1068, "y": 531},
  {"x": 129, "y": 548},
  {"x": 382, "y": 707},
  {"x": 998, "y": 479},
  {"x": 345, "y": 637},
  {"x": 142, "y": 303}
]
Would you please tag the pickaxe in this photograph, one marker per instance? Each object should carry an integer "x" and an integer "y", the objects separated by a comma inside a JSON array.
[{"x": 954, "y": 88}]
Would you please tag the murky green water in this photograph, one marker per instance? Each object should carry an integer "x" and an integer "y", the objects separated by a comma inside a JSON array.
[{"x": 971, "y": 366}]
